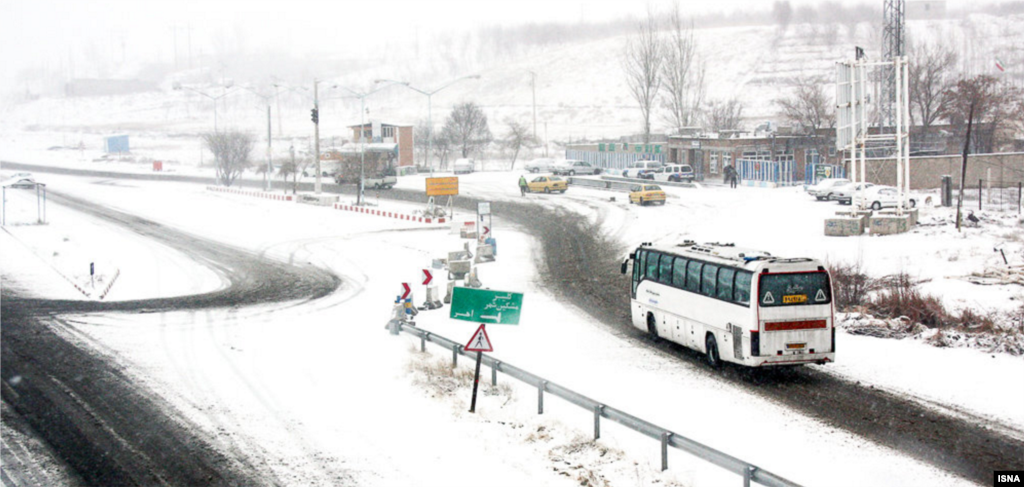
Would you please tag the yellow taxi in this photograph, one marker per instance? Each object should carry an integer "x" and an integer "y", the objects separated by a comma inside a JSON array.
[
  {"x": 547, "y": 184},
  {"x": 643, "y": 194}
]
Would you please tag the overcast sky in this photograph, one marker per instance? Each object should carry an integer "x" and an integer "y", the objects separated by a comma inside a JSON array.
[{"x": 45, "y": 33}]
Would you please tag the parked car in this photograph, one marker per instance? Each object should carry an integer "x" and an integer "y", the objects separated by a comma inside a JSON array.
[
  {"x": 673, "y": 173},
  {"x": 463, "y": 166},
  {"x": 547, "y": 184},
  {"x": 824, "y": 189},
  {"x": 844, "y": 194},
  {"x": 643, "y": 194},
  {"x": 20, "y": 180},
  {"x": 572, "y": 168},
  {"x": 637, "y": 168},
  {"x": 542, "y": 164},
  {"x": 878, "y": 197}
]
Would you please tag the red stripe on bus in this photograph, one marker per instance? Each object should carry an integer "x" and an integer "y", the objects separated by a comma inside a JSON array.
[{"x": 795, "y": 325}]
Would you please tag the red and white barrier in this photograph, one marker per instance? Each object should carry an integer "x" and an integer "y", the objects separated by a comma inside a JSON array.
[
  {"x": 388, "y": 214},
  {"x": 245, "y": 192}
]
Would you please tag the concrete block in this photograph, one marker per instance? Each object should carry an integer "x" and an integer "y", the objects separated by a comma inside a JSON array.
[
  {"x": 844, "y": 226},
  {"x": 889, "y": 224},
  {"x": 912, "y": 213}
]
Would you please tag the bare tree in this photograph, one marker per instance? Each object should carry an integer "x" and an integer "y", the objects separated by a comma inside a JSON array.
[
  {"x": 642, "y": 64},
  {"x": 518, "y": 136},
  {"x": 723, "y": 115},
  {"x": 809, "y": 105},
  {"x": 930, "y": 79},
  {"x": 992, "y": 102},
  {"x": 231, "y": 151},
  {"x": 466, "y": 128},
  {"x": 782, "y": 13},
  {"x": 682, "y": 73}
]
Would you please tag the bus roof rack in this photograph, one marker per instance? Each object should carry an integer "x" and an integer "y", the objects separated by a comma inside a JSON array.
[{"x": 729, "y": 251}]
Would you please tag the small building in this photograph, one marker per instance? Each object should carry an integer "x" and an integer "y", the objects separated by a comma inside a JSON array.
[
  {"x": 375, "y": 132},
  {"x": 615, "y": 155}
]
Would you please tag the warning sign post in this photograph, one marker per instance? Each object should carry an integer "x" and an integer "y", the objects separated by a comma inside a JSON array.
[{"x": 480, "y": 343}]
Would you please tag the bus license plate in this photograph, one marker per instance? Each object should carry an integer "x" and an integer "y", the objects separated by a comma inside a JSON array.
[
  {"x": 794, "y": 299},
  {"x": 795, "y": 346}
]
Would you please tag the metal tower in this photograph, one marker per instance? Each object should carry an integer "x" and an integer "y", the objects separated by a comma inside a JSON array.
[{"x": 893, "y": 42}]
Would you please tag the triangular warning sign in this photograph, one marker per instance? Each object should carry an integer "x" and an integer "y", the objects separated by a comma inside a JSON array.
[
  {"x": 768, "y": 299},
  {"x": 479, "y": 342},
  {"x": 820, "y": 296}
]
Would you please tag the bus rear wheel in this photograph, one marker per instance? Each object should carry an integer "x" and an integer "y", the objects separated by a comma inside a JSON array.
[
  {"x": 713, "y": 359},
  {"x": 652, "y": 325}
]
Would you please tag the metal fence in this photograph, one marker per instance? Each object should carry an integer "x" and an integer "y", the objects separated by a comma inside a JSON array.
[
  {"x": 749, "y": 473},
  {"x": 778, "y": 172},
  {"x": 612, "y": 160}
]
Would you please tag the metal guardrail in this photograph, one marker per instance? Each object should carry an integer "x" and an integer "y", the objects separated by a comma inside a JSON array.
[
  {"x": 748, "y": 472},
  {"x": 615, "y": 183}
]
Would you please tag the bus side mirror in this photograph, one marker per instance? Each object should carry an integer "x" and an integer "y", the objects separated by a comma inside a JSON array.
[{"x": 624, "y": 266}]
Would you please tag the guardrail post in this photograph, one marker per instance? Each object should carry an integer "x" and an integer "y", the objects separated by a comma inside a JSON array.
[
  {"x": 748, "y": 473},
  {"x": 540, "y": 396},
  {"x": 423, "y": 342},
  {"x": 597, "y": 421},
  {"x": 664, "y": 450},
  {"x": 494, "y": 372},
  {"x": 455, "y": 356}
]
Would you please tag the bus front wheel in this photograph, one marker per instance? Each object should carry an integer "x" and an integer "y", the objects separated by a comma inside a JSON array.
[
  {"x": 714, "y": 360},
  {"x": 652, "y": 325}
]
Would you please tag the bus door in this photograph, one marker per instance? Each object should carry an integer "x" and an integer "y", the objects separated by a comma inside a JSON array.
[{"x": 794, "y": 314}]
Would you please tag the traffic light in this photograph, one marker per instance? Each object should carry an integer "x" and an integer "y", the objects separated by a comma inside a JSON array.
[{"x": 315, "y": 115}]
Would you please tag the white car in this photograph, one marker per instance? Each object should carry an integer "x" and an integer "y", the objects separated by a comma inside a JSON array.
[
  {"x": 638, "y": 168},
  {"x": 572, "y": 168},
  {"x": 674, "y": 173},
  {"x": 463, "y": 166},
  {"x": 824, "y": 189},
  {"x": 542, "y": 164},
  {"x": 878, "y": 197},
  {"x": 844, "y": 194},
  {"x": 20, "y": 180}
]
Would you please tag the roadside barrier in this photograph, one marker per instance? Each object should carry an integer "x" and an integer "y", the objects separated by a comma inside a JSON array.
[
  {"x": 749, "y": 473},
  {"x": 388, "y": 214},
  {"x": 246, "y": 192}
]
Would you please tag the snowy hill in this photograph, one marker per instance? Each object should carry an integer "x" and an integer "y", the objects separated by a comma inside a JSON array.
[{"x": 580, "y": 88}]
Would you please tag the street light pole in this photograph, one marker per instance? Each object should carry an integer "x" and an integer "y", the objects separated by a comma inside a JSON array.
[
  {"x": 533, "y": 85},
  {"x": 430, "y": 123},
  {"x": 270, "y": 166},
  {"x": 316, "y": 134},
  {"x": 214, "y": 98}
]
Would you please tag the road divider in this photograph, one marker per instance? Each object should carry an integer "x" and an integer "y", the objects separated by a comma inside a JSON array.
[
  {"x": 388, "y": 214},
  {"x": 247, "y": 192}
]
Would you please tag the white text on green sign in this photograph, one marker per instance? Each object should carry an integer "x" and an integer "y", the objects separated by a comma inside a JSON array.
[{"x": 486, "y": 306}]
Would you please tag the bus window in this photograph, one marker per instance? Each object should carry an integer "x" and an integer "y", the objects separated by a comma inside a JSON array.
[
  {"x": 652, "y": 265},
  {"x": 665, "y": 271},
  {"x": 693, "y": 276},
  {"x": 724, "y": 290},
  {"x": 741, "y": 291},
  {"x": 679, "y": 273},
  {"x": 707, "y": 286},
  {"x": 802, "y": 288},
  {"x": 642, "y": 261}
]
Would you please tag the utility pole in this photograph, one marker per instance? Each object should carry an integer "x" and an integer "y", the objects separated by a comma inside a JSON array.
[
  {"x": 533, "y": 85},
  {"x": 316, "y": 135},
  {"x": 270, "y": 166}
]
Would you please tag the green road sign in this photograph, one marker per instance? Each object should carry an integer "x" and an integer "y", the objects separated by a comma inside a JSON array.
[{"x": 485, "y": 306}]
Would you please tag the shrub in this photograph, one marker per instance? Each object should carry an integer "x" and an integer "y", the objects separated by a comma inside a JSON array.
[
  {"x": 850, "y": 285},
  {"x": 898, "y": 296}
]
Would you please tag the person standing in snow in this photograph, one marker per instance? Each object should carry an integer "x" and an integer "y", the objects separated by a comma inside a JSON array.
[{"x": 522, "y": 185}]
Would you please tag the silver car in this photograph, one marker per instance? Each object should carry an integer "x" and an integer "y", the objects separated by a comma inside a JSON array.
[{"x": 572, "y": 168}]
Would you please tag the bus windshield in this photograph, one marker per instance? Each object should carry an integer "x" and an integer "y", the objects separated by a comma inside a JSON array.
[{"x": 794, "y": 289}]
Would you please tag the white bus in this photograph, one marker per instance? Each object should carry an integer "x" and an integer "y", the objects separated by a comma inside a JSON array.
[{"x": 699, "y": 296}]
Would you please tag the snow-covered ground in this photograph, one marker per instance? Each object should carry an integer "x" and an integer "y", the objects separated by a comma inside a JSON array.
[{"x": 323, "y": 394}]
